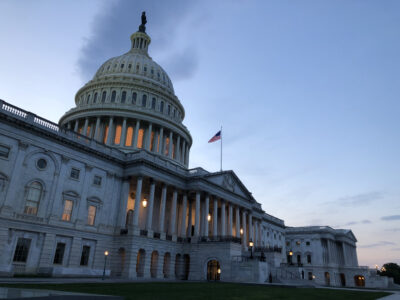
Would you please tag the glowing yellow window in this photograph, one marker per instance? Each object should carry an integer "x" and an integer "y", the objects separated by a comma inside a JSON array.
[
  {"x": 91, "y": 214},
  {"x": 118, "y": 131},
  {"x": 129, "y": 135},
  {"x": 105, "y": 134},
  {"x": 140, "y": 138},
  {"x": 166, "y": 152},
  {"x": 66, "y": 216},
  {"x": 151, "y": 141}
]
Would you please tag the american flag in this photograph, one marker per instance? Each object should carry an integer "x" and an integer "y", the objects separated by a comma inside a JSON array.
[{"x": 216, "y": 137}]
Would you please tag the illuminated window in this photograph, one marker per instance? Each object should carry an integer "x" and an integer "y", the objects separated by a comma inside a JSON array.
[
  {"x": 123, "y": 97},
  {"x": 173, "y": 150},
  {"x": 158, "y": 143},
  {"x": 129, "y": 135},
  {"x": 66, "y": 216},
  {"x": 118, "y": 131},
  {"x": 298, "y": 243},
  {"x": 22, "y": 250},
  {"x": 88, "y": 130},
  {"x": 144, "y": 100},
  {"x": 151, "y": 140},
  {"x": 140, "y": 138},
  {"x": 166, "y": 146},
  {"x": 33, "y": 195},
  {"x": 103, "y": 97},
  {"x": 113, "y": 96},
  {"x": 91, "y": 214},
  {"x": 105, "y": 134},
  {"x": 134, "y": 96},
  {"x": 153, "y": 103}
]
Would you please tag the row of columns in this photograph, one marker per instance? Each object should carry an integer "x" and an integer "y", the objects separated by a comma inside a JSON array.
[
  {"x": 152, "y": 139},
  {"x": 202, "y": 215}
]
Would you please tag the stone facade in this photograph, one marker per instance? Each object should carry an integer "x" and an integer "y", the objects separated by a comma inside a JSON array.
[{"x": 113, "y": 176}]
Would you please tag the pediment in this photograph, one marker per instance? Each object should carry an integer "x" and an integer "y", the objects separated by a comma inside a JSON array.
[{"x": 229, "y": 181}]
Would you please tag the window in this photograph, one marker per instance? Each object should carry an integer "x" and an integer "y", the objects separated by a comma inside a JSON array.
[
  {"x": 75, "y": 173},
  {"x": 144, "y": 100},
  {"x": 66, "y": 216},
  {"x": 123, "y": 97},
  {"x": 33, "y": 196},
  {"x": 145, "y": 69},
  {"x": 309, "y": 258},
  {"x": 91, "y": 214},
  {"x": 140, "y": 138},
  {"x": 134, "y": 96},
  {"x": 162, "y": 107},
  {"x": 287, "y": 243},
  {"x": 97, "y": 180},
  {"x": 152, "y": 71},
  {"x": 22, "y": 250},
  {"x": 308, "y": 243},
  {"x": 4, "y": 151},
  {"x": 129, "y": 66},
  {"x": 103, "y": 97},
  {"x": 169, "y": 109},
  {"x": 87, "y": 99},
  {"x": 122, "y": 66},
  {"x": 95, "y": 98},
  {"x": 59, "y": 254},
  {"x": 298, "y": 243},
  {"x": 41, "y": 163},
  {"x": 153, "y": 103},
  {"x": 113, "y": 96},
  {"x": 85, "y": 255}
]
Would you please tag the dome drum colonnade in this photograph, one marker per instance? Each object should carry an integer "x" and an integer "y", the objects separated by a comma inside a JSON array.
[
  {"x": 158, "y": 210},
  {"x": 131, "y": 110}
]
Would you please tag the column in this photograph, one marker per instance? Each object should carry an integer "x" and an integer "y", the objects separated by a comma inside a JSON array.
[
  {"x": 244, "y": 236},
  {"x": 183, "y": 221},
  {"x": 237, "y": 222},
  {"x": 76, "y": 125},
  {"x": 149, "y": 221},
  {"x": 162, "y": 207},
  {"x": 173, "y": 212},
  {"x": 160, "y": 147},
  {"x": 215, "y": 217},
  {"x": 230, "y": 221},
  {"x": 69, "y": 125},
  {"x": 256, "y": 233},
  {"x": 84, "y": 131},
  {"x": 177, "y": 151},
  {"x": 251, "y": 233},
  {"x": 155, "y": 140},
  {"x": 135, "y": 139},
  {"x": 123, "y": 133},
  {"x": 189, "y": 229},
  {"x": 124, "y": 202},
  {"x": 137, "y": 201},
  {"x": 110, "y": 131},
  {"x": 207, "y": 211},
  {"x": 223, "y": 225},
  {"x": 170, "y": 145},
  {"x": 96, "y": 130},
  {"x": 197, "y": 217},
  {"x": 148, "y": 137},
  {"x": 187, "y": 155},
  {"x": 183, "y": 152}
]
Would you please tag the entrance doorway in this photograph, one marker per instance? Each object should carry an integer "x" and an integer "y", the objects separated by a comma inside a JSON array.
[
  {"x": 213, "y": 270},
  {"x": 359, "y": 280},
  {"x": 342, "y": 279}
]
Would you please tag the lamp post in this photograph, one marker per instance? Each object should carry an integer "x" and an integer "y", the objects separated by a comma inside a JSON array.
[
  {"x": 290, "y": 256},
  {"x": 251, "y": 244},
  {"x": 105, "y": 262}
]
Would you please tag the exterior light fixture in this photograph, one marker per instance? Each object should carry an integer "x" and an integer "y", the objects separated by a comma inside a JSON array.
[
  {"x": 105, "y": 263},
  {"x": 209, "y": 218},
  {"x": 313, "y": 277},
  {"x": 106, "y": 253},
  {"x": 144, "y": 202},
  {"x": 290, "y": 253},
  {"x": 251, "y": 244},
  {"x": 219, "y": 271},
  {"x": 241, "y": 230}
]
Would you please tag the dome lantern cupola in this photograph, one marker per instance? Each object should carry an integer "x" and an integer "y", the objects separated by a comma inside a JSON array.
[{"x": 140, "y": 40}]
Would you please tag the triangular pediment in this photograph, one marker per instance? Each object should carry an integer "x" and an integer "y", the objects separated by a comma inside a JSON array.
[{"x": 229, "y": 181}]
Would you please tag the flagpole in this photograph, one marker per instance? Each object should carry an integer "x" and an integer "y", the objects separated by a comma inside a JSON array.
[{"x": 221, "y": 148}]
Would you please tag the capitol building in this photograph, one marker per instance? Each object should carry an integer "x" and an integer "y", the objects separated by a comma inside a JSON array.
[{"x": 108, "y": 190}]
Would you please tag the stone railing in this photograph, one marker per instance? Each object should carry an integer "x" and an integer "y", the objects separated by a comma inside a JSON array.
[
  {"x": 218, "y": 238},
  {"x": 268, "y": 249}
]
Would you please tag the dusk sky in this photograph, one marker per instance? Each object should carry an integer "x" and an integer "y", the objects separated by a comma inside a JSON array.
[{"x": 307, "y": 93}]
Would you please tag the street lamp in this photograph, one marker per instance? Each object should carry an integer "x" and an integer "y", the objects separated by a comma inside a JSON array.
[
  {"x": 144, "y": 202},
  {"x": 105, "y": 262},
  {"x": 290, "y": 256},
  {"x": 241, "y": 231},
  {"x": 251, "y": 244},
  {"x": 209, "y": 218}
]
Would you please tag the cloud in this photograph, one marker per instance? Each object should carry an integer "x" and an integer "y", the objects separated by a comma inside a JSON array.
[
  {"x": 116, "y": 22},
  {"x": 379, "y": 244},
  {"x": 395, "y": 249},
  {"x": 391, "y": 218},
  {"x": 351, "y": 223},
  {"x": 359, "y": 199},
  {"x": 393, "y": 229},
  {"x": 356, "y": 222},
  {"x": 366, "y": 222}
]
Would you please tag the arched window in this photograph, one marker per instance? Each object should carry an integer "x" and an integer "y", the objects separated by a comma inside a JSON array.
[
  {"x": 153, "y": 103},
  {"x": 162, "y": 106},
  {"x": 169, "y": 109},
  {"x": 87, "y": 99},
  {"x": 134, "y": 96},
  {"x": 113, "y": 96},
  {"x": 33, "y": 194},
  {"x": 123, "y": 97},
  {"x": 95, "y": 98},
  {"x": 103, "y": 97},
  {"x": 144, "y": 100}
]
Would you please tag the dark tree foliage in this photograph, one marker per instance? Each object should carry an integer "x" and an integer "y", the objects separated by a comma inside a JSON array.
[{"x": 391, "y": 270}]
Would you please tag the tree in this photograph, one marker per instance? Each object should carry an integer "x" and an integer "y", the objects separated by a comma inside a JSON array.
[{"x": 391, "y": 270}]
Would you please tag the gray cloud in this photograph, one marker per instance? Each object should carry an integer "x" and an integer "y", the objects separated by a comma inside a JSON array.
[
  {"x": 363, "y": 198},
  {"x": 393, "y": 229},
  {"x": 395, "y": 249},
  {"x": 391, "y": 218},
  {"x": 366, "y": 222},
  {"x": 357, "y": 222},
  {"x": 350, "y": 223},
  {"x": 112, "y": 28},
  {"x": 379, "y": 244}
]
